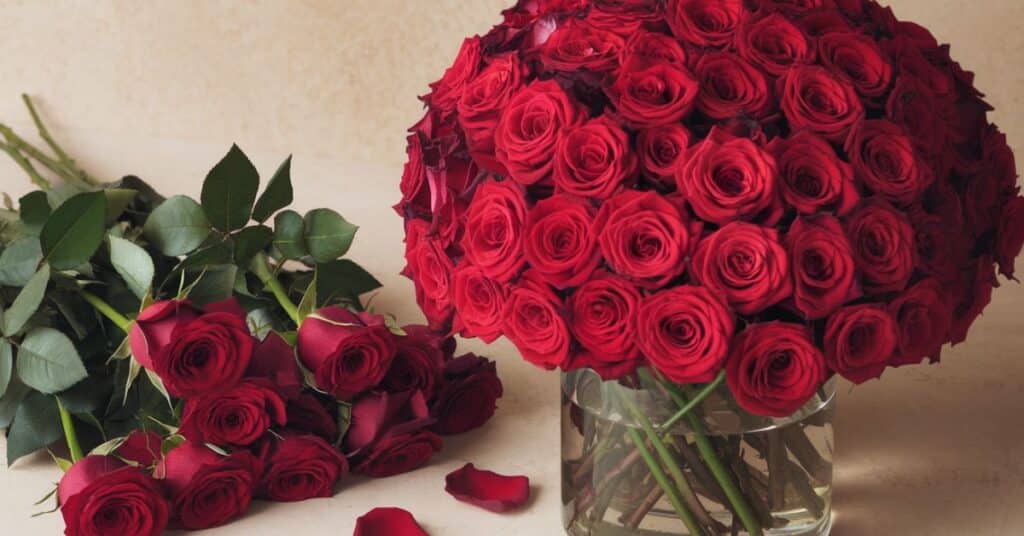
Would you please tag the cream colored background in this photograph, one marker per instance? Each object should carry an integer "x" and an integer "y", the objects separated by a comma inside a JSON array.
[{"x": 161, "y": 89}]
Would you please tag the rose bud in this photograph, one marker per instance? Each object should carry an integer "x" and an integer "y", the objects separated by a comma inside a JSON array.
[
  {"x": 398, "y": 454},
  {"x": 141, "y": 447},
  {"x": 153, "y": 328},
  {"x": 419, "y": 358},
  {"x": 348, "y": 353},
  {"x": 746, "y": 264},
  {"x": 301, "y": 467},
  {"x": 101, "y": 495},
  {"x": 274, "y": 360},
  {"x": 859, "y": 341},
  {"x": 535, "y": 324},
  {"x": 207, "y": 354},
  {"x": 468, "y": 397},
  {"x": 308, "y": 415},
  {"x": 208, "y": 489},
  {"x": 237, "y": 416},
  {"x": 774, "y": 368},
  {"x": 479, "y": 301}
]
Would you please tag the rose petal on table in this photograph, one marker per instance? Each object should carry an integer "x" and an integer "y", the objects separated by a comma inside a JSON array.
[
  {"x": 488, "y": 490},
  {"x": 388, "y": 522}
]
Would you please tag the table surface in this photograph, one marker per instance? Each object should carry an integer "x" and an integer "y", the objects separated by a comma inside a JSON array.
[{"x": 162, "y": 89}]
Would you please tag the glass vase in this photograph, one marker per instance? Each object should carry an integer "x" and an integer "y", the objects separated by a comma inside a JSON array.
[{"x": 644, "y": 457}]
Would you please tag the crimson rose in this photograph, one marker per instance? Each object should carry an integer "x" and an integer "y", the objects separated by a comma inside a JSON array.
[
  {"x": 208, "y": 489},
  {"x": 923, "y": 315},
  {"x": 154, "y": 326},
  {"x": 745, "y": 264},
  {"x": 859, "y": 340},
  {"x": 594, "y": 159},
  {"x": 604, "y": 312},
  {"x": 467, "y": 398},
  {"x": 348, "y": 353},
  {"x": 823, "y": 267},
  {"x": 529, "y": 129},
  {"x": 207, "y": 354},
  {"x": 494, "y": 230},
  {"x": 561, "y": 242},
  {"x": 236, "y": 416},
  {"x": 533, "y": 321},
  {"x": 685, "y": 332},
  {"x": 774, "y": 368},
  {"x": 300, "y": 467},
  {"x": 100, "y": 495},
  {"x": 883, "y": 246},
  {"x": 479, "y": 302},
  {"x": 815, "y": 99}
]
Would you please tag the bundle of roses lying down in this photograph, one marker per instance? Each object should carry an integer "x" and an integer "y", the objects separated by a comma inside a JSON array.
[{"x": 240, "y": 377}]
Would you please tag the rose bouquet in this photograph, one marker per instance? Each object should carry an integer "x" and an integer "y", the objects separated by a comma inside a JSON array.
[
  {"x": 193, "y": 357},
  {"x": 761, "y": 194}
]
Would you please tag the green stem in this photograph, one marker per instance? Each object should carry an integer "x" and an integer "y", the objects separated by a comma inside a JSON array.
[
  {"x": 663, "y": 481},
  {"x": 261, "y": 267},
  {"x": 104, "y": 308},
  {"x": 69, "y": 433},
  {"x": 66, "y": 161},
  {"x": 11, "y": 148},
  {"x": 695, "y": 401}
]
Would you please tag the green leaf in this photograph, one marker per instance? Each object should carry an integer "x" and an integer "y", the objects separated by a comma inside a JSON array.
[
  {"x": 6, "y": 365},
  {"x": 133, "y": 264},
  {"x": 218, "y": 253},
  {"x": 230, "y": 190},
  {"x": 288, "y": 231},
  {"x": 60, "y": 194},
  {"x": 278, "y": 193},
  {"x": 87, "y": 395},
  {"x": 27, "y": 302},
  {"x": 177, "y": 226},
  {"x": 328, "y": 235},
  {"x": 118, "y": 200},
  {"x": 107, "y": 448},
  {"x": 308, "y": 303},
  {"x": 156, "y": 382},
  {"x": 343, "y": 278},
  {"x": 34, "y": 209},
  {"x": 250, "y": 241},
  {"x": 48, "y": 361},
  {"x": 9, "y": 403},
  {"x": 36, "y": 425},
  {"x": 18, "y": 263},
  {"x": 74, "y": 231},
  {"x": 217, "y": 283}
]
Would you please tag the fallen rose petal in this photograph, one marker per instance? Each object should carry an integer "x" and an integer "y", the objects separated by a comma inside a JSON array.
[
  {"x": 488, "y": 490},
  {"x": 388, "y": 522}
]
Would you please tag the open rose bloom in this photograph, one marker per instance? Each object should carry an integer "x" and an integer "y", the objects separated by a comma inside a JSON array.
[{"x": 761, "y": 193}]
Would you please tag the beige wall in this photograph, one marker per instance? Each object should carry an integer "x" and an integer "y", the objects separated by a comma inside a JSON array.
[{"x": 161, "y": 88}]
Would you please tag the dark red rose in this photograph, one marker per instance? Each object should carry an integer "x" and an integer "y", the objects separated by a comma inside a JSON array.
[
  {"x": 430, "y": 269},
  {"x": 300, "y": 467},
  {"x": 661, "y": 151},
  {"x": 654, "y": 95},
  {"x": 236, "y": 416},
  {"x": 1010, "y": 238},
  {"x": 494, "y": 230},
  {"x": 624, "y": 17},
  {"x": 447, "y": 91},
  {"x": 274, "y": 360},
  {"x": 348, "y": 353},
  {"x": 685, "y": 333},
  {"x": 883, "y": 246},
  {"x": 414, "y": 187},
  {"x": 859, "y": 341},
  {"x": 418, "y": 362},
  {"x": 725, "y": 178},
  {"x": 529, "y": 129},
  {"x": 645, "y": 237},
  {"x": 480, "y": 108},
  {"x": 561, "y": 243},
  {"x": 913, "y": 105},
  {"x": 534, "y": 322},
  {"x": 101, "y": 495},
  {"x": 479, "y": 302},
  {"x": 814, "y": 98},
  {"x": 972, "y": 293},
  {"x": 774, "y": 368},
  {"x": 153, "y": 328},
  {"x": 205, "y": 355},
  {"x": 594, "y": 159},
  {"x": 649, "y": 48},
  {"x": 858, "y": 58},
  {"x": 388, "y": 522},
  {"x": 578, "y": 46},
  {"x": 704, "y": 23},
  {"x": 399, "y": 454},
  {"x": 379, "y": 415},
  {"x": 307, "y": 415},
  {"x": 812, "y": 177},
  {"x": 824, "y": 22},
  {"x": 943, "y": 245},
  {"x": 731, "y": 87},
  {"x": 206, "y": 488},
  {"x": 467, "y": 399},
  {"x": 923, "y": 317},
  {"x": 884, "y": 158},
  {"x": 141, "y": 447},
  {"x": 604, "y": 311},
  {"x": 910, "y": 61},
  {"x": 992, "y": 183},
  {"x": 823, "y": 268},
  {"x": 745, "y": 264},
  {"x": 773, "y": 44},
  {"x": 796, "y": 6}
]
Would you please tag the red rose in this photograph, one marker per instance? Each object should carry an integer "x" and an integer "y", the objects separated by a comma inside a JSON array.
[
  {"x": 301, "y": 467},
  {"x": 816, "y": 99},
  {"x": 236, "y": 416},
  {"x": 348, "y": 353},
  {"x": 534, "y": 323},
  {"x": 101, "y": 495},
  {"x": 624, "y": 17},
  {"x": 418, "y": 362},
  {"x": 913, "y": 105},
  {"x": 399, "y": 454},
  {"x": 380, "y": 414},
  {"x": 746, "y": 264},
  {"x": 447, "y": 91},
  {"x": 704, "y": 23},
  {"x": 494, "y": 230},
  {"x": 208, "y": 489},
  {"x": 824, "y": 22},
  {"x": 993, "y": 182},
  {"x": 479, "y": 302},
  {"x": 468, "y": 397},
  {"x": 774, "y": 369},
  {"x": 529, "y": 129},
  {"x": 972, "y": 293},
  {"x": 307, "y": 415},
  {"x": 1010, "y": 238},
  {"x": 430, "y": 269},
  {"x": 725, "y": 178},
  {"x": 823, "y": 267},
  {"x": 653, "y": 95},
  {"x": 813, "y": 178},
  {"x": 943, "y": 245},
  {"x": 153, "y": 328},
  {"x": 661, "y": 151},
  {"x": 141, "y": 447},
  {"x": 594, "y": 159},
  {"x": 685, "y": 332},
  {"x": 883, "y": 246},
  {"x": 577, "y": 46},
  {"x": 645, "y": 237},
  {"x": 884, "y": 158},
  {"x": 604, "y": 313},
  {"x": 773, "y": 44},
  {"x": 797, "y": 6},
  {"x": 923, "y": 317},
  {"x": 648, "y": 48},
  {"x": 205, "y": 355},
  {"x": 858, "y": 58},
  {"x": 414, "y": 187},
  {"x": 910, "y": 60},
  {"x": 274, "y": 360},
  {"x": 482, "y": 102},
  {"x": 859, "y": 341},
  {"x": 560, "y": 240},
  {"x": 731, "y": 87}
]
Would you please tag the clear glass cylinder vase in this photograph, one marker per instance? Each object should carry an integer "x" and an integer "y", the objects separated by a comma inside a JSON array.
[{"x": 654, "y": 459}]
